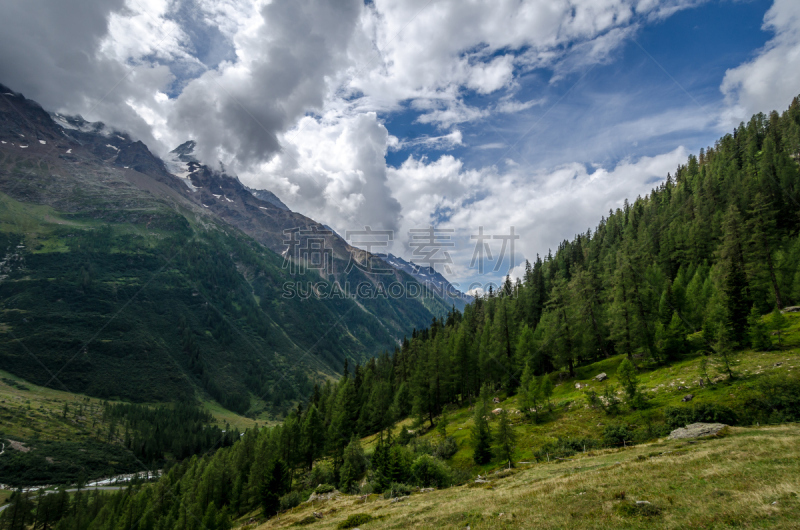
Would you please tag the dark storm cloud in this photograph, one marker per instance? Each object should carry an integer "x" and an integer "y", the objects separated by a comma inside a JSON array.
[
  {"x": 49, "y": 52},
  {"x": 281, "y": 73}
]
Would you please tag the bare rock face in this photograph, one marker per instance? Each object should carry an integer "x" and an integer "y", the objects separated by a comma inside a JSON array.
[{"x": 697, "y": 430}]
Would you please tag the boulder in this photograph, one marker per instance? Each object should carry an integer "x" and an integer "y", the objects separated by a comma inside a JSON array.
[
  {"x": 697, "y": 430},
  {"x": 579, "y": 386},
  {"x": 324, "y": 496},
  {"x": 687, "y": 397},
  {"x": 497, "y": 411},
  {"x": 793, "y": 309},
  {"x": 601, "y": 377}
]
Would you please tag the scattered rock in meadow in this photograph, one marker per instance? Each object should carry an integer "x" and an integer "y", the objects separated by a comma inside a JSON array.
[
  {"x": 697, "y": 430},
  {"x": 601, "y": 377},
  {"x": 687, "y": 397}
]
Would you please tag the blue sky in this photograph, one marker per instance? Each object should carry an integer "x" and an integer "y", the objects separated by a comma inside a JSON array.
[{"x": 401, "y": 114}]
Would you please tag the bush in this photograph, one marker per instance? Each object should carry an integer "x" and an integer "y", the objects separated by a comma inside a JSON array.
[
  {"x": 699, "y": 413},
  {"x": 323, "y": 488},
  {"x": 616, "y": 435},
  {"x": 355, "y": 520},
  {"x": 446, "y": 448},
  {"x": 322, "y": 473},
  {"x": 421, "y": 446},
  {"x": 430, "y": 472},
  {"x": 309, "y": 519},
  {"x": 290, "y": 500},
  {"x": 775, "y": 399},
  {"x": 564, "y": 447},
  {"x": 398, "y": 490}
]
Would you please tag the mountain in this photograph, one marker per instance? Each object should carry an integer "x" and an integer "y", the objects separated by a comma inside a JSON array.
[
  {"x": 432, "y": 279},
  {"x": 268, "y": 196},
  {"x": 122, "y": 279}
]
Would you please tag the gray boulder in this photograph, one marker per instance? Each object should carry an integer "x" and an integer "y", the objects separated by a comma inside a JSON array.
[
  {"x": 601, "y": 377},
  {"x": 697, "y": 430},
  {"x": 687, "y": 397}
]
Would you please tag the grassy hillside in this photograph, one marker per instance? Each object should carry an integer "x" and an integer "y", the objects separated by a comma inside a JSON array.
[
  {"x": 748, "y": 478},
  {"x": 41, "y": 426}
]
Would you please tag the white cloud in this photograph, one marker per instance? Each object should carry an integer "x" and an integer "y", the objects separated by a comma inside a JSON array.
[
  {"x": 545, "y": 208},
  {"x": 443, "y": 142},
  {"x": 334, "y": 172},
  {"x": 772, "y": 78}
]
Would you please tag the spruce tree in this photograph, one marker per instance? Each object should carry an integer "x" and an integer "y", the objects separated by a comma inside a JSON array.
[
  {"x": 354, "y": 465},
  {"x": 481, "y": 435},
  {"x": 778, "y": 322},
  {"x": 626, "y": 373},
  {"x": 505, "y": 438},
  {"x": 759, "y": 338}
]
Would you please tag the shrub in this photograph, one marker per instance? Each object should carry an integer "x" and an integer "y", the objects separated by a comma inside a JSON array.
[
  {"x": 322, "y": 473},
  {"x": 290, "y": 500},
  {"x": 775, "y": 399},
  {"x": 446, "y": 448},
  {"x": 700, "y": 412},
  {"x": 309, "y": 519},
  {"x": 355, "y": 520},
  {"x": 564, "y": 447},
  {"x": 398, "y": 490},
  {"x": 323, "y": 488},
  {"x": 615, "y": 435},
  {"x": 430, "y": 472}
]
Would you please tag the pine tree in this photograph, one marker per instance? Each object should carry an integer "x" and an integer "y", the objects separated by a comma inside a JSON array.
[
  {"x": 441, "y": 426},
  {"x": 778, "y": 322},
  {"x": 759, "y": 338},
  {"x": 481, "y": 435},
  {"x": 626, "y": 373},
  {"x": 277, "y": 482},
  {"x": 313, "y": 436},
  {"x": 736, "y": 291},
  {"x": 505, "y": 438},
  {"x": 354, "y": 465}
]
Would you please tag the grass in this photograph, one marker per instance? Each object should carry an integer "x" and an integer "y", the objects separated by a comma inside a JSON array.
[
  {"x": 748, "y": 478},
  {"x": 571, "y": 417},
  {"x": 30, "y": 411}
]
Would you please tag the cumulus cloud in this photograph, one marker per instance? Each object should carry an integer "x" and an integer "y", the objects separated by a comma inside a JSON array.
[
  {"x": 772, "y": 78},
  {"x": 290, "y": 94},
  {"x": 544, "y": 209},
  {"x": 335, "y": 172}
]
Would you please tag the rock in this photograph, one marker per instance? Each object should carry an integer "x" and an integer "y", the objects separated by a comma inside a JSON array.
[
  {"x": 642, "y": 502},
  {"x": 480, "y": 480},
  {"x": 793, "y": 309},
  {"x": 687, "y": 397},
  {"x": 697, "y": 430},
  {"x": 399, "y": 499},
  {"x": 324, "y": 496},
  {"x": 601, "y": 377},
  {"x": 579, "y": 386},
  {"x": 778, "y": 364},
  {"x": 497, "y": 411},
  {"x": 496, "y": 400},
  {"x": 426, "y": 490}
]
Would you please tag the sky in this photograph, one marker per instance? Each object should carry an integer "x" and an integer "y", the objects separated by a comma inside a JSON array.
[{"x": 469, "y": 116}]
